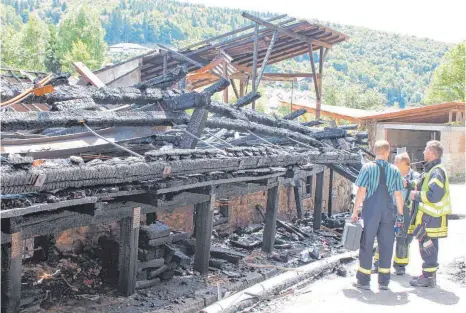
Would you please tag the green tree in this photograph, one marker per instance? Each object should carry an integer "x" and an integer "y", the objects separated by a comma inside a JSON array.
[
  {"x": 10, "y": 28},
  {"x": 82, "y": 25},
  {"x": 33, "y": 42},
  {"x": 78, "y": 53},
  {"x": 448, "y": 81},
  {"x": 52, "y": 61}
]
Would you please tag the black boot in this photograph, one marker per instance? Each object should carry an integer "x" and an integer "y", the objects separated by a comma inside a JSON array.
[
  {"x": 400, "y": 270},
  {"x": 423, "y": 281}
]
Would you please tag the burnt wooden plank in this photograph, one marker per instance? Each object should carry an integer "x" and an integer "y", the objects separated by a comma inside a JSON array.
[
  {"x": 129, "y": 236},
  {"x": 11, "y": 270},
  {"x": 330, "y": 193},
  {"x": 46, "y": 207},
  {"x": 204, "y": 225},
  {"x": 270, "y": 219},
  {"x": 318, "y": 200},
  {"x": 195, "y": 127},
  {"x": 298, "y": 197}
]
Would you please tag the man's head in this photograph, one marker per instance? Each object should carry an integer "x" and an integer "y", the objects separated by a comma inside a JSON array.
[
  {"x": 433, "y": 151},
  {"x": 382, "y": 149},
  {"x": 402, "y": 161}
]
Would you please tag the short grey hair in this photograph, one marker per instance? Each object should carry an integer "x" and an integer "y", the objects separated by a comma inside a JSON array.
[
  {"x": 436, "y": 147},
  {"x": 403, "y": 157}
]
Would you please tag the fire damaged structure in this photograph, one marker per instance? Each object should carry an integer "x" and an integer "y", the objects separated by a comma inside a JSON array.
[{"x": 100, "y": 155}]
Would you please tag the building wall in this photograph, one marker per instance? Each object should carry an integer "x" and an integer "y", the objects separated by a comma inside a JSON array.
[
  {"x": 453, "y": 141},
  {"x": 242, "y": 210},
  {"x": 452, "y": 138}
]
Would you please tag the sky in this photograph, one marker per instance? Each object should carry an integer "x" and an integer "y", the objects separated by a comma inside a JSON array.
[{"x": 443, "y": 20}]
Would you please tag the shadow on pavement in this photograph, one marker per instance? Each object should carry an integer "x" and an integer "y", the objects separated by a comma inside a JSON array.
[
  {"x": 386, "y": 297},
  {"x": 436, "y": 294}
]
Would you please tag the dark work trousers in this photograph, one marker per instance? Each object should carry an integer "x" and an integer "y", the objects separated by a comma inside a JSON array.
[
  {"x": 430, "y": 264},
  {"x": 399, "y": 260},
  {"x": 379, "y": 221}
]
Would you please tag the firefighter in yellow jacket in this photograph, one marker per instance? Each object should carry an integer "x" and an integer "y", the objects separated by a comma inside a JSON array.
[{"x": 431, "y": 205}]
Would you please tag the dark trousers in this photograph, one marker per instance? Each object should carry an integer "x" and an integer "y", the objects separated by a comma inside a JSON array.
[
  {"x": 401, "y": 255},
  {"x": 430, "y": 262},
  {"x": 377, "y": 223}
]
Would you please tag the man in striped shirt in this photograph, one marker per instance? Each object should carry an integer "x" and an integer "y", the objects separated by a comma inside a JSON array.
[{"x": 378, "y": 182}]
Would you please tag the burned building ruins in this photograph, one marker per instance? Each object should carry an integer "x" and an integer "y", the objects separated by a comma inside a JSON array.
[{"x": 78, "y": 156}]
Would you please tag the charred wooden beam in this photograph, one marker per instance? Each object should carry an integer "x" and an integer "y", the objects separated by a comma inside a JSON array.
[
  {"x": 76, "y": 105},
  {"x": 195, "y": 127},
  {"x": 254, "y": 62},
  {"x": 313, "y": 123},
  {"x": 330, "y": 192},
  {"x": 119, "y": 171},
  {"x": 298, "y": 197},
  {"x": 295, "y": 114},
  {"x": 318, "y": 200},
  {"x": 247, "y": 99},
  {"x": 129, "y": 233},
  {"x": 204, "y": 220},
  {"x": 37, "y": 120},
  {"x": 271, "y": 218},
  {"x": 266, "y": 58},
  {"x": 345, "y": 171},
  {"x": 11, "y": 268},
  {"x": 103, "y": 95},
  {"x": 164, "y": 81},
  {"x": 241, "y": 125}
]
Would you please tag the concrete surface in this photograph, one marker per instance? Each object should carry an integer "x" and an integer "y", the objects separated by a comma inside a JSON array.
[{"x": 336, "y": 294}]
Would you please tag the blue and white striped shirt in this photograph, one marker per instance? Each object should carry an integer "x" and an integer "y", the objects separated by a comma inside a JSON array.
[{"x": 369, "y": 177}]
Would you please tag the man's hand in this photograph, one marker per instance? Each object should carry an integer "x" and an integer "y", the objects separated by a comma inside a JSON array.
[
  {"x": 354, "y": 216},
  {"x": 412, "y": 195}
]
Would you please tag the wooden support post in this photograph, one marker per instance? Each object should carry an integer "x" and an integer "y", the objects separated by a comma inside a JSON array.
[
  {"x": 316, "y": 84},
  {"x": 254, "y": 62},
  {"x": 318, "y": 200},
  {"x": 225, "y": 74},
  {"x": 204, "y": 221},
  {"x": 235, "y": 89},
  {"x": 270, "y": 218},
  {"x": 11, "y": 270},
  {"x": 298, "y": 197},
  {"x": 330, "y": 193},
  {"x": 242, "y": 84},
  {"x": 128, "y": 256}
]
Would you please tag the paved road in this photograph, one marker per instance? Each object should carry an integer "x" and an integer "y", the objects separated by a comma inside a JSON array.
[{"x": 336, "y": 294}]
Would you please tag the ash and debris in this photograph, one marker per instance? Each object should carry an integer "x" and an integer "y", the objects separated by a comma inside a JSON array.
[
  {"x": 456, "y": 270},
  {"x": 85, "y": 277}
]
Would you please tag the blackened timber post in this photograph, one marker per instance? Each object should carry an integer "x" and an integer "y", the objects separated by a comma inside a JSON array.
[
  {"x": 204, "y": 221},
  {"x": 316, "y": 84},
  {"x": 235, "y": 89},
  {"x": 271, "y": 211},
  {"x": 11, "y": 269},
  {"x": 298, "y": 197},
  {"x": 318, "y": 200},
  {"x": 266, "y": 58},
  {"x": 195, "y": 127},
  {"x": 225, "y": 74},
  {"x": 254, "y": 61},
  {"x": 128, "y": 254},
  {"x": 330, "y": 192}
]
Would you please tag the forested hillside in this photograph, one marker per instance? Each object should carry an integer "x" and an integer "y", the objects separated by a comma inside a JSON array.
[{"x": 372, "y": 68}]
